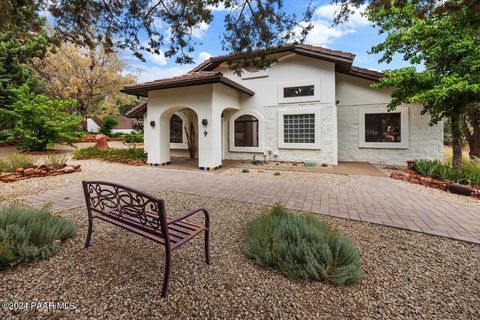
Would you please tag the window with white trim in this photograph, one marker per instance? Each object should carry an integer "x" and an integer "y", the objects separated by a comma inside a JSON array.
[
  {"x": 176, "y": 129},
  {"x": 379, "y": 128},
  {"x": 299, "y": 128},
  {"x": 246, "y": 131},
  {"x": 299, "y": 91},
  {"x": 383, "y": 127}
]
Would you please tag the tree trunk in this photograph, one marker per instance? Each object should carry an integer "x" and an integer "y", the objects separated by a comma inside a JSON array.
[
  {"x": 471, "y": 129},
  {"x": 456, "y": 143},
  {"x": 191, "y": 140}
]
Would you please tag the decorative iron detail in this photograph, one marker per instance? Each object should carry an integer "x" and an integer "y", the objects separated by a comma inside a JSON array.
[{"x": 123, "y": 203}]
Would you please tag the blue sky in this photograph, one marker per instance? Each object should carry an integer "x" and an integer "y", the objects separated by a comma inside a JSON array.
[{"x": 356, "y": 36}]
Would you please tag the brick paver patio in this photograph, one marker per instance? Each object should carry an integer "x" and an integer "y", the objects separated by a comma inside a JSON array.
[{"x": 365, "y": 198}]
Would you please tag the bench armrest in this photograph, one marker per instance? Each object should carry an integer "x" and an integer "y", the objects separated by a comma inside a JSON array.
[{"x": 191, "y": 213}]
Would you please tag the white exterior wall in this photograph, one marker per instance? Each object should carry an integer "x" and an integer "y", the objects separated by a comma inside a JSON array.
[
  {"x": 295, "y": 70},
  {"x": 92, "y": 126},
  {"x": 353, "y": 94},
  {"x": 207, "y": 101}
]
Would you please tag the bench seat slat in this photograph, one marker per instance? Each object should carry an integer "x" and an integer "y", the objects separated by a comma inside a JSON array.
[{"x": 177, "y": 237}]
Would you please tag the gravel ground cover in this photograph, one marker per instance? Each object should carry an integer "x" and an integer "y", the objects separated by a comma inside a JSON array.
[
  {"x": 320, "y": 178},
  {"x": 91, "y": 169},
  {"x": 407, "y": 275},
  {"x": 431, "y": 192}
]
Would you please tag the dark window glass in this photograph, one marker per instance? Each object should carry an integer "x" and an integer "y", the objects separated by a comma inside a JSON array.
[
  {"x": 382, "y": 127},
  {"x": 302, "y": 91},
  {"x": 299, "y": 128},
  {"x": 246, "y": 131},
  {"x": 176, "y": 127}
]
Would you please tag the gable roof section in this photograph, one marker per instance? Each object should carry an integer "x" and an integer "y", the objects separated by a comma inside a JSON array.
[
  {"x": 186, "y": 80},
  {"x": 137, "y": 111},
  {"x": 343, "y": 60}
]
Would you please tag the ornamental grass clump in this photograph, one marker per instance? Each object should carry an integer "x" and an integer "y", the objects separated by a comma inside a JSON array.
[
  {"x": 28, "y": 234},
  {"x": 302, "y": 247}
]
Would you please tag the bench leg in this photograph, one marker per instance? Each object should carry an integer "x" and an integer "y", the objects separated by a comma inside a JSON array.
[
  {"x": 166, "y": 274},
  {"x": 207, "y": 249},
  {"x": 89, "y": 233}
]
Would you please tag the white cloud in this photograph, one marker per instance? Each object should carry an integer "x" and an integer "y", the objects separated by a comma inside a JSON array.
[
  {"x": 324, "y": 32},
  {"x": 159, "y": 59},
  {"x": 202, "y": 56},
  {"x": 149, "y": 73},
  {"x": 219, "y": 7},
  {"x": 199, "y": 31}
]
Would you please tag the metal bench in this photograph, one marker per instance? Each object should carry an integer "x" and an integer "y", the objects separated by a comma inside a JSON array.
[{"x": 144, "y": 215}]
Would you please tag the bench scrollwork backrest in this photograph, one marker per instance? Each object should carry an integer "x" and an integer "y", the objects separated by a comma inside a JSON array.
[{"x": 125, "y": 204}]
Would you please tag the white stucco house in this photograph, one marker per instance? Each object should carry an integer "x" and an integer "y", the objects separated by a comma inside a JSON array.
[{"x": 312, "y": 104}]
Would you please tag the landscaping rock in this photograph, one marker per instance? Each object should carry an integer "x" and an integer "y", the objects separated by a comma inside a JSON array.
[
  {"x": 459, "y": 189},
  {"x": 19, "y": 170},
  {"x": 28, "y": 171},
  {"x": 399, "y": 175},
  {"x": 9, "y": 178},
  {"x": 426, "y": 181},
  {"x": 415, "y": 180},
  {"x": 101, "y": 141},
  {"x": 69, "y": 169}
]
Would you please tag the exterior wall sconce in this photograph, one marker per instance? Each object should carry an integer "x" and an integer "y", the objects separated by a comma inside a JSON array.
[
  {"x": 204, "y": 122},
  {"x": 152, "y": 124}
]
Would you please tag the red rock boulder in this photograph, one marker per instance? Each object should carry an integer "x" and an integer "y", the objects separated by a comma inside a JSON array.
[
  {"x": 399, "y": 175},
  {"x": 101, "y": 141}
]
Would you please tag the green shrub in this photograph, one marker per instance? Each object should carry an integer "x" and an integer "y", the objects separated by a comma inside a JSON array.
[
  {"x": 15, "y": 160},
  {"x": 40, "y": 122},
  {"x": 108, "y": 124},
  {"x": 133, "y": 138},
  {"x": 302, "y": 247},
  {"x": 245, "y": 171},
  {"x": 55, "y": 160},
  {"x": 276, "y": 173},
  {"x": 28, "y": 234},
  {"x": 470, "y": 173},
  {"x": 111, "y": 154}
]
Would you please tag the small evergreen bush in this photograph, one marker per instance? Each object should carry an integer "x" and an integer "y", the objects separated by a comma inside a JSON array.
[
  {"x": 111, "y": 154},
  {"x": 108, "y": 124},
  {"x": 302, "y": 247},
  {"x": 28, "y": 234},
  {"x": 133, "y": 138}
]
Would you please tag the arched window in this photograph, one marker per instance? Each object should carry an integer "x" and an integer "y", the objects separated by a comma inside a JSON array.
[
  {"x": 176, "y": 127},
  {"x": 246, "y": 131}
]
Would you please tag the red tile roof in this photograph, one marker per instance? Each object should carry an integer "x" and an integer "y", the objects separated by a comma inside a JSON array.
[{"x": 189, "y": 79}]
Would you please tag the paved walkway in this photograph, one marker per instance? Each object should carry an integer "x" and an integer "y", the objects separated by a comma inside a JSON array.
[{"x": 365, "y": 198}]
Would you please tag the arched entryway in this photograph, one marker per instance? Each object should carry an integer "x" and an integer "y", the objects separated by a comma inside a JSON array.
[{"x": 178, "y": 137}]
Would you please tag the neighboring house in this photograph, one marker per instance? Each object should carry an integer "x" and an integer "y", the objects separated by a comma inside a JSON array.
[
  {"x": 125, "y": 125},
  {"x": 312, "y": 104}
]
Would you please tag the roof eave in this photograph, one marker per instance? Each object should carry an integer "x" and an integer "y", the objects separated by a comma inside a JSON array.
[{"x": 142, "y": 90}]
